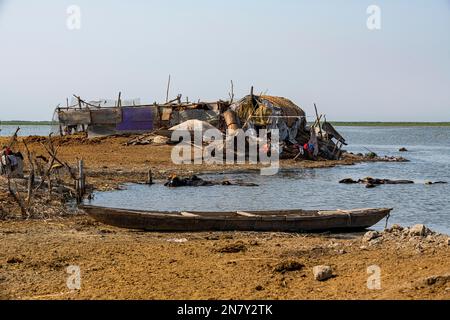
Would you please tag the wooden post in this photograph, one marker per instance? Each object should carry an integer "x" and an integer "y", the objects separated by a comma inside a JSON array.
[
  {"x": 81, "y": 180},
  {"x": 60, "y": 126},
  {"x": 318, "y": 121},
  {"x": 77, "y": 190},
  {"x": 50, "y": 186},
  {"x": 119, "y": 100},
  {"x": 13, "y": 138},
  {"x": 167, "y": 92},
  {"x": 149, "y": 177},
  {"x": 338, "y": 154},
  {"x": 79, "y": 105},
  {"x": 81, "y": 174},
  {"x": 232, "y": 92},
  {"x": 30, "y": 176}
]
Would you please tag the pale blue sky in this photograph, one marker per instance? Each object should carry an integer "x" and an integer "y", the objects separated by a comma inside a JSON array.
[{"x": 308, "y": 51}]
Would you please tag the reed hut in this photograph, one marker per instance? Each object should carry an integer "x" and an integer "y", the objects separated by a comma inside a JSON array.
[{"x": 270, "y": 112}]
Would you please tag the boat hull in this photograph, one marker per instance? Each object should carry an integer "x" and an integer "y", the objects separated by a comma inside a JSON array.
[{"x": 281, "y": 221}]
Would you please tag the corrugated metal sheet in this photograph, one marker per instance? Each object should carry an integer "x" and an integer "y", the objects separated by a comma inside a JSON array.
[
  {"x": 137, "y": 118},
  {"x": 106, "y": 116},
  {"x": 73, "y": 117}
]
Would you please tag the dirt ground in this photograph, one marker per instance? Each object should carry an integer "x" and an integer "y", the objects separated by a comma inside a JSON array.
[{"x": 124, "y": 264}]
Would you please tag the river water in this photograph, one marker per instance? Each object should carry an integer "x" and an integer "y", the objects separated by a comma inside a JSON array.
[
  {"x": 428, "y": 152},
  {"x": 26, "y": 130}
]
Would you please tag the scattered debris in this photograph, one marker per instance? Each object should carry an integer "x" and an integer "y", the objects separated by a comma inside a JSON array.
[
  {"x": 212, "y": 237},
  {"x": 46, "y": 189},
  {"x": 288, "y": 265},
  {"x": 437, "y": 280},
  {"x": 370, "y": 235},
  {"x": 14, "y": 260},
  {"x": 146, "y": 139},
  {"x": 194, "y": 181},
  {"x": 232, "y": 248},
  {"x": 373, "y": 182},
  {"x": 394, "y": 228},
  {"x": 437, "y": 182},
  {"x": 419, "y": 230},
  {"x": 322, "y": 273},
  {"x": 371, "y": 155},
  {"x": 177, "y": 240},
  {"x": 418, "y": 236},
  {"x": 348, "y": 181}
]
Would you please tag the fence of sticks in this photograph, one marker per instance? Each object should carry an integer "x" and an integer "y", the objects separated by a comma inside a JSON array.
[{"x": 50, "y": 184}]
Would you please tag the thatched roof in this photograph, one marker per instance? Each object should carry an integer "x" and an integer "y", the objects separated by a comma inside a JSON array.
[{"x": 269, "y": 106}]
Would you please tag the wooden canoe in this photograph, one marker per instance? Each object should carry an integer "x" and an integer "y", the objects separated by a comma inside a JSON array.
[{"x": 279, "y": 220}]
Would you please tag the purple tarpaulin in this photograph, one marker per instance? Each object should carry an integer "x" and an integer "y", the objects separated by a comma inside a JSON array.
[{"x": 139, "y": 118}]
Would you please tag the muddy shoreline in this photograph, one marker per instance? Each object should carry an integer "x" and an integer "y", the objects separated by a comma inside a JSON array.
[
  {"x": 124, "y": 264},
  {"x": 110, "y": 162}
]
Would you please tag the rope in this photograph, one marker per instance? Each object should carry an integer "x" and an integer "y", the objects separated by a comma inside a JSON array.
[{"x": 387, "y": 219}]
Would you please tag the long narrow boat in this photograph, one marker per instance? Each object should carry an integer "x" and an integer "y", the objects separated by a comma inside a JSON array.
[{"x": 279, "y": 220}]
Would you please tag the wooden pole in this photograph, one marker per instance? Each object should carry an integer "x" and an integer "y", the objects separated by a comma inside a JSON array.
[
  {"x": 31, "y": 175},
  {"x": 81, "y": 179},
  {"x": 318, "y": 121},
  {"x": 232, "y": 92},
  {"x": 149, "y": 177},
  {"x": 119, "y": 101},
  {"x": 79, "y": 105},
  {"x": 167, "y": 92},
  {"x": 13, "y": 138}
]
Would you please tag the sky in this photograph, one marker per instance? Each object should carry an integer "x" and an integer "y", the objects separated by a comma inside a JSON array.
[{"x": 308, "y": 51}]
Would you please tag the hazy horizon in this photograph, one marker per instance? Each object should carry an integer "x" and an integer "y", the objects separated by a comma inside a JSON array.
[{"x": 310, "y": 52}]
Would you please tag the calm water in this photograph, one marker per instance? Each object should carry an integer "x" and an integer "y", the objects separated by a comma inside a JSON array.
[
  {"x": 25, "y": 130},
  {"x": 429, "y": 152}
]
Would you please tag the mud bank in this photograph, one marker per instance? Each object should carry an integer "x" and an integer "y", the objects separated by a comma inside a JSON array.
[
  {"x": 122, "y": 264},
  {"x": 110, "y": 162}
]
